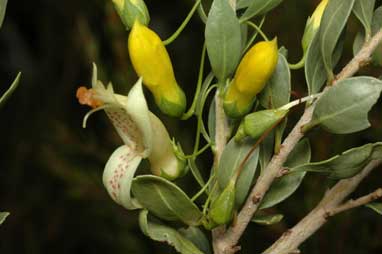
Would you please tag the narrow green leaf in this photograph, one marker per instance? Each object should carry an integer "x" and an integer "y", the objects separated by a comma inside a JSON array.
[
  {"x": 344, "y": 107},
  {"x": 267, "y": 220},
  {"x": 223, "y": 39},
  {"x": 3, "y": 216},
  {"x": 165, "y": 200},
  {"x": 197, "y": 237},
  {"x": 257, "y": 7},
  {"x": 3, "y": 7},
  {"x": 277, "y": 91},
  {"x": 363, "y": 10},
  {"x": 10, "y": 90},
  {"x": 347, "y": 164},
  {"x": 377, "y": 207},
  {"x": 266, "y": 150},
  {"x": 212, "y": 120},
  {"x": 161, "y": 233},
  {"x": 285, "y": 186},
  {"x": 376, "y": 25},
  {"x": 333, "y": 22},
  {"x": 315, "y": 73},
  {"x": 233, "y": 155}
]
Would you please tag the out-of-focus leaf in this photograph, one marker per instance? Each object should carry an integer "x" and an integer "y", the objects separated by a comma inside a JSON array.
[
  {"x": 267, "y": 220},
  {"x": 197, "y": 237},
  {"x": 266, "y": 150},
  {"x": 10, "y": 90},
  {"x": 223, "y": 39},
  {"x": 347, "y": 164},
  {"x": 377, "y": 207},
  {"x": 3, "y": 7},
  {"x": 333, "y": 22},
  {"x": 277, "y": 91},
  {"x": 162, "y": 233},
  {"x": 257, "y": 7},
  {"x": 285, "y": 186},
  {"x": 363, "y": 10},
  {"x": 344, "y": 107},
  {"x": 3, "y": 216},
  {"x": 165, "y": 200},
  {"x": 233, "y": 155}
]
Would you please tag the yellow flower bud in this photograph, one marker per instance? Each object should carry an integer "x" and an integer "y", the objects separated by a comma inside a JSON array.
[
  {"x": 152, "y": 62},
  {"x": 313, "y": 24},
  {"x": 251, "y": 76},
  {"x": 131, "y": 10}
]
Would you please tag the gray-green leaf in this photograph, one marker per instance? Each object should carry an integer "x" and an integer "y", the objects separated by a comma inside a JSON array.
[
  {"x": 3, "y": 7},
  {"x": 333, "y": 22},
  {"x": 197, "y": 237},
  {"x": 347, "y": 164},
  {"x": 223, "y": 39},
  {"x": 162, "y": 233},
  {"x": 257, "y": 7},
  {"x": 3, "y": 216},
  {"x": 315, "y": 73},
  {"x": 363, "y": 10},
  {"x": 285, "y": 186},
  {"x": 233, "y": 155},
  {"x": 377, "y": 207},
  {"x": 277, "y": 91},
  {"x": 10, "y": 90},
  {"x": 267, "y": 220},
  {"x": 165, "y": 200},
  {"x": 376, "y": 25},
  {"x": 344, "y": 107}
]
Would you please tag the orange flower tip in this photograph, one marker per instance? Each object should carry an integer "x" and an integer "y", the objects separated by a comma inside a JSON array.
[{"x": 87, "y": 97}]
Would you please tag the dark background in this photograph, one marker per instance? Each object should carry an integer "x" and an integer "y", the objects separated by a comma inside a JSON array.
[{"x": 51, "y": 168}]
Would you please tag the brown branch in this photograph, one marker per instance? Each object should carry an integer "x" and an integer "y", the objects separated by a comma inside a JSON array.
[
  {"x": 291, "y": 240},
  {"x": 377, "y": 194},
  {"x": 225, "y": 243}
]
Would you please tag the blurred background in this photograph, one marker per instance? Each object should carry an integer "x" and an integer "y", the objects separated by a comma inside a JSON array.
[{"x": 51, "y": 168}]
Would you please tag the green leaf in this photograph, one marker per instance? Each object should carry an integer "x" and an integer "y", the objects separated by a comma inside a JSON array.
[
  {"x": 343, "y": 108},
  {"x": 377, "y": 207},
  {"x": 363, "y": 10},
  {"x": 162, "y": 233},
  {"x": 232, "y": 156},
  {"x": 315, "y": 73},
  {"x": 165, "y": 200},
  {"x": 212, "y": 120},
  {"x": 333, "y": 22},
  {"x": 10, "y": 90},
  {"x": 376, "y": 25},
  {"x": 277, "y": 91},
  {"x": 223, "y": 39},
  {"x": 3, "y": 216},
  {"x": 3, "y": 7},
  {"x": 347, "y": 164},
  {"x": 197, "y": 237},
  {"x": 267, "y": 220},
  {"x": 285, "y": 186},
  {"x": 257, "y": 7},
  {"x": 266, "y": 150}
]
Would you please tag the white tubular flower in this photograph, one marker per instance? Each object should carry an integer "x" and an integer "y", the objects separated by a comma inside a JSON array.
[{"x": 143, "y": 134}]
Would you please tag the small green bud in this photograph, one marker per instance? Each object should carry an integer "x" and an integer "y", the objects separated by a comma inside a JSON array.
[
  {"x": 222, "y": 208},
  {"x": 257, "y": 123},
  {"x": 130, "y": 10}
]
